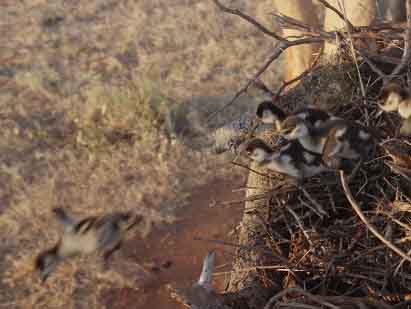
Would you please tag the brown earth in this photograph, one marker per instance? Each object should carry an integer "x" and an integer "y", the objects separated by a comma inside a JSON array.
[
  {"x": 175, "y": 243},
  {"x": 86, "y": 88}
]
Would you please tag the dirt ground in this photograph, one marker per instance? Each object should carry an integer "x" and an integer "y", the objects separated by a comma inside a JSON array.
[
  {"x": 86, "y": 89},
  {"x": 175, "y": 245}
]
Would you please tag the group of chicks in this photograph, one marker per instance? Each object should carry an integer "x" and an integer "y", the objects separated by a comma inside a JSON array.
[{"x": 317, "y": 141}]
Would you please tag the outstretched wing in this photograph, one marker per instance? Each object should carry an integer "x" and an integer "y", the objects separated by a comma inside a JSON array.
[
  {"x": 64, "y": 218},
  {"x": 206, "y": 277}
]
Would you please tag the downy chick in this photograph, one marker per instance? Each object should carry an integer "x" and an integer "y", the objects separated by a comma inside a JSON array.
[
  {"x": 310, "y": 137},
  {"x": 349, "y": 141},
  {"x": 397, "y": 99},
  {"x": 348, "y": 135},
  {"x": 292, "y": 159},
  {"x": 268, "y": 113},
  {"x": 102, "y": 234}
]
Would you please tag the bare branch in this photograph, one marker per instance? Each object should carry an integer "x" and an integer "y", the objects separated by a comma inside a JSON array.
[
  {"x": 259, "y": 84},
  {"x": 220, "y": 242},
  {"x": 301, "y": 226},
  {"x": 292, "y": 23},
  {"x": 249, "y": 19},
  {"x": 278, "y": 50},
  {"x": 371, "y": 64}
]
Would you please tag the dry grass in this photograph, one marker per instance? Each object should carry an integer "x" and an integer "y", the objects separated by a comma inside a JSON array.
[{"x": 85, "y": 91}]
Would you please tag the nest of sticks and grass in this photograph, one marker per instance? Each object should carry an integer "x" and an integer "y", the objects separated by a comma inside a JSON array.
[{"x": 342, "y": 239}]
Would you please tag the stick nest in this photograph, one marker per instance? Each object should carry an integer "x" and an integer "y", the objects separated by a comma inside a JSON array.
[{"x": 319, "y": 241}]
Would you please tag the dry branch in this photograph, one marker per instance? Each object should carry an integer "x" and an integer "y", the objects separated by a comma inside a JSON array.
[
  {"x": 310, "y": 36},
  {"x": 249, "y": 19},
  {"x": 367, "y": 223},
  {"x": 278, "y": 50}
]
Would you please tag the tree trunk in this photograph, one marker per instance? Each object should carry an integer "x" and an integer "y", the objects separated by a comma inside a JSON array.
[
  {"x": 255, "y": 247},
  {"x": 298, "y": 58},
  {"x": 358, "y": 12}
]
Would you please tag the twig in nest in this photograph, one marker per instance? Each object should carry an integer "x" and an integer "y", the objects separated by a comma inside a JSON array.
[
  {"x": 300, "y": 224},
  {"x": 402, "y": 224},
  {"x": 304, "y": 203},
  {"x": 221, "y": 242},
  {"x": 405, "y": 59},
  {"x": 399, "y": 170},
  {"x": 331, "y": 198},
  {"x": 251, "y": 198},
  {"x": 397, "y": 269},
  {"x": 299, "y": 291},
  {"x": 360, "y": 214},
  {"x": 263, "y": 267},
  {"x": 372, "y": 66},
  {"x": 249, "y": 19},
  {"x": 314, "y": 202},
  {"x": 250, "y": 169}
]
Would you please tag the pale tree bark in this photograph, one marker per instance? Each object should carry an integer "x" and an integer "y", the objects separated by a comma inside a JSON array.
[
  {"x": 298, "y": 58},
  {"x": 358, "y": 12}
]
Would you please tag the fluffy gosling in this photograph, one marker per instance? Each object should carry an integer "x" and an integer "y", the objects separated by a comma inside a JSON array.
[
  {"x": 268, "y": 113},
  {"x": 102, "y": 234},
  {"x": 292, "y": 159},
  {"x": 397, "y": 99},
  {"x": 345, "y": 138},
  {"x": 349, "y": 141}
]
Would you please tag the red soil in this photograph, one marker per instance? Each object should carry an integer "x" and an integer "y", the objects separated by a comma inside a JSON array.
[{"x": 176, "y": 244}]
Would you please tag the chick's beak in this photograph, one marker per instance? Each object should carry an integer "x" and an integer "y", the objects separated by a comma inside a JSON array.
[{"x": 380, "y": 104}]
